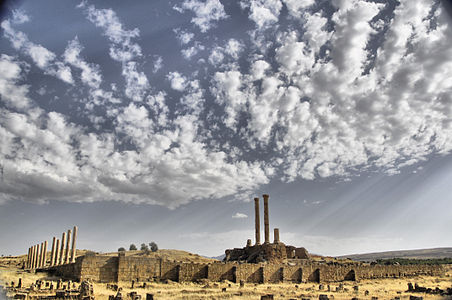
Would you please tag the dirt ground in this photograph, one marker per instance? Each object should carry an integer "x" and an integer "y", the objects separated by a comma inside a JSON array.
[{"x": 382, "y": 288}]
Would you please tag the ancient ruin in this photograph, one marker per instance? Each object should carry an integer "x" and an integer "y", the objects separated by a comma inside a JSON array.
[
  {"x": 275, "y": 252},
  {"x": 59, "y": 255},
  {"x": 259, "y": 263}
]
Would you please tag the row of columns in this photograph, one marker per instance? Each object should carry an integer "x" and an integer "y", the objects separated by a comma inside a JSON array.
[
  {"x": 59, "y": 255},
  {"x": 266, "y": 222}
]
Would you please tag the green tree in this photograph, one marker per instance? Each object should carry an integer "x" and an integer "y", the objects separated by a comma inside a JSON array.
[
  {"x": 121, "y": 249},
  {"x": 153, "y": 246},
  {"x": 132, "y": 247},
  {"x": 144, "y": 247}
]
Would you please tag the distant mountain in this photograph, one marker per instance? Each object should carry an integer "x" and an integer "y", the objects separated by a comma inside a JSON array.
[
  {"x": 220, "y": 257},
  {"x": 414, "y": 254}
]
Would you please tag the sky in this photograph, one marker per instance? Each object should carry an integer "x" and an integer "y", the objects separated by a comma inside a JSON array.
[{"x": 161, "y": 121}]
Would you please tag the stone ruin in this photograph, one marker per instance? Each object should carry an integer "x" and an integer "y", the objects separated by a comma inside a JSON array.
[
  {"x": 267, "y": 252},
  {"x": 59, "y": 255},
  {"x": 259, "y": 263}
]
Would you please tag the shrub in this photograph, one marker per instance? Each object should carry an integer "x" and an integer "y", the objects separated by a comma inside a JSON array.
[{"x": 153, "y": 246}]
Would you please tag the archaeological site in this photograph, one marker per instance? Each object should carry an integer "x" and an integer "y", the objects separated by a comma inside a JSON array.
[{"x": 267, "y": 262}]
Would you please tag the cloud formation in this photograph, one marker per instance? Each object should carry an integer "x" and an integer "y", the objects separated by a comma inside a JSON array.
[
  {"x": 206, "y": 12},
  {"x": 238, "y": 215},
  {"x": 332, "y": 93}
]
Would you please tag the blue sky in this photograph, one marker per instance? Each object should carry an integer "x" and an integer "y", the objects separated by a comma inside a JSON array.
[{"x": 161, "y": 120}]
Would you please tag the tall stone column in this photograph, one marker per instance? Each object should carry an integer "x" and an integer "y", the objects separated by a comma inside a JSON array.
[
  {"x": 44, "y": 255},
  {"x": 28, "y": 259},
  {"x": 52, "y": 254},
  {"x": 74, "y": 237},
  {"x": 68, "y": 244},
  {"x": 38, "y": 256},
  {"x": 63, "y": 241},
  {"x": 41, "y": 247},
  {"x": 57, "y": 252},
  {"x": 257, "y": 221},
  {"x": 267, "y": 226},
  {"x": 30, "y": 262},
  {"x": 33, "y": 257},
  {"x": 276, "y": 235}
]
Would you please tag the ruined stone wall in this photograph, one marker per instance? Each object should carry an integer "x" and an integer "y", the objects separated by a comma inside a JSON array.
[
  {"x": 170, "y": 270},
  {"x": 68, "y": 272},
  {"x": 370, "y": 272},
  {"x": 138, "y": 268},
  {"x": 114, "y": 269},
  {"x": 293, "y": 274},
  {"x": 222, "y": 271},
  {"x": 250, "y": 273},
  {"x": 193, "y": 271},
  {"x": 99, "y": 268},
  {"x": 273, "y": 273}
]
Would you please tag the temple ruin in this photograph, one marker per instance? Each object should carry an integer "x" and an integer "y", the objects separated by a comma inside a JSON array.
[
  {"x": 267, "y": 252},
  {"x": 60, "y": 254},
  {"x": 259, "y": 263}
]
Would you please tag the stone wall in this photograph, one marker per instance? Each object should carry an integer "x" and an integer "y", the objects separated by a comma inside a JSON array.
[
  {"x": 138, "y": 268},
  {"x": 250, "y": 273},
  {"x": 99, "y": 268},
  {"x": 122, "y": 269},
  {"x": 69, "y": 272},
  {"x": 222, "y": 271}
]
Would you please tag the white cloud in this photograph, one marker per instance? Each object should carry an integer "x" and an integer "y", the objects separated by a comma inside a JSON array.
[
  {"x": 231, "y": 50},
  {"x": 41, "y": 56},
  {"x": 158, "y": 64},
  {"x": 178, "y": 81},
  {"x": 227, "y": 89},
  {"x": 323, "y": 103},
  {"x": 216, "y": 56},
  {"x": 206, "y": 12},
  {"x": 296, "y": 7},
  {"x": 238, "y": 215},
  {"x": 184, "y": 37},
  {"x": 11, "y": 92},
  {"x": 258, "y": 69},
  {"x": 263, "y": 12},
  {"x": 90, "y": 72},
  {"x": 122, "y": 49},
  {"x": 19, "y": 17},
  {"x": 192, "y": 51}
]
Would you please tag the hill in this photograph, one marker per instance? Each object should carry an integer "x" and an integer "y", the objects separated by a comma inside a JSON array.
[
  {"x": 412, "y": 254},
  {"x": 168, "y": 254}
]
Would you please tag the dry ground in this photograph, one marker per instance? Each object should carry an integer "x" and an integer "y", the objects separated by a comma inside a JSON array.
[{"x": 382, "y": 288}]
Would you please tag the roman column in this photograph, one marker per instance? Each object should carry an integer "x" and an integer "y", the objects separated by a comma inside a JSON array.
[
  {"x": 267, "y": 229},
  {"x": 74, "y": 237},
  {"x": 28, "y": 259},
  {"x": 32, "y": 257},
  {"x": 38, "y": 256},
  {"x": 30, "y": 262},
  {"x": 57, "y": 252},
  {"x": 63, "y": 241},
  {"x": 52, "y": 254},
  {"x": 68, "y": 244},
  {"x": 44, "y": 255},
  {"x": 41, "y": 258},
  {"x": 276, "y": 235},
  {"x": 41, "y": 247},
  {"x": 257, "y": 221}
]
